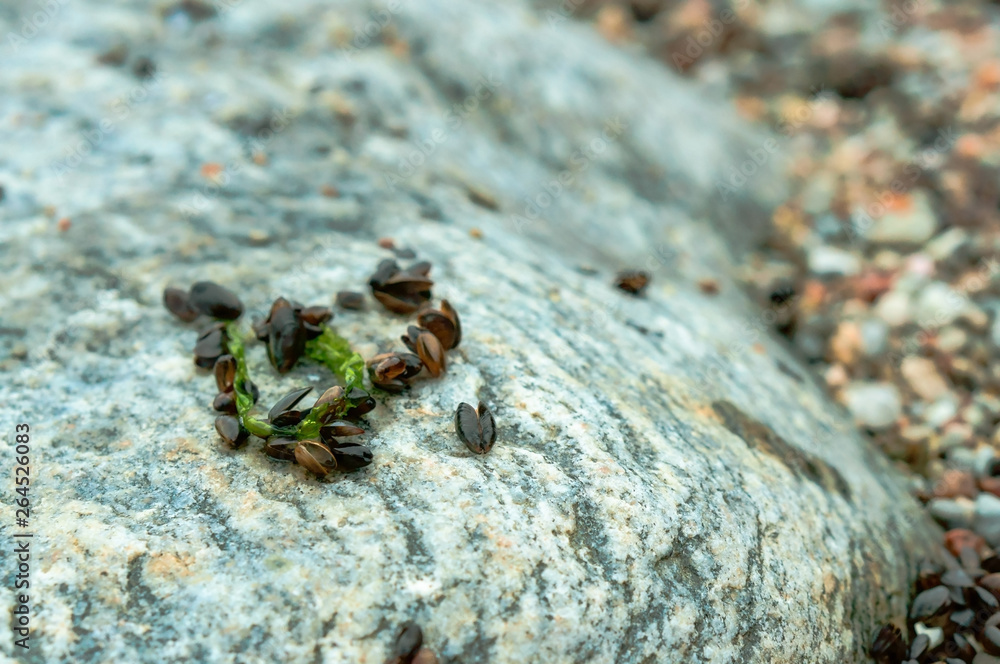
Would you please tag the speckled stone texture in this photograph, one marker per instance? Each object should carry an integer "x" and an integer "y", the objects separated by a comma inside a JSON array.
[{"x": 668, "y": 484}]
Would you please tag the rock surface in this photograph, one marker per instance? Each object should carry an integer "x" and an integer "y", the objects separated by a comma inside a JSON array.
[{"x": 668, "y": 484}]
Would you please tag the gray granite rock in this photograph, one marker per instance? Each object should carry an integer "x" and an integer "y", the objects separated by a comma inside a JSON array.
[{"x": 668, "y": 485}]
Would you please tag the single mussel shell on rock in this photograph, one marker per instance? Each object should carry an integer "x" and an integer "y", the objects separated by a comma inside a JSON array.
[
  {"x": 632, "y": 281},
  {"x": 211, "y": 345},
  {"x": 225, "y": 372},
  {"x": 315, "y": 457},
  {"x": 231, "y": 431},
  {"x": 225, "y": 402},
  {"x": 281, "y": 447},
  {"x": 350, "y": 300},
  {"x": 177, "y": 302},
  {"x": 476, "y": 427},
  {"x": 213, "y": 300},
  {"x": 286, "y": 339}
]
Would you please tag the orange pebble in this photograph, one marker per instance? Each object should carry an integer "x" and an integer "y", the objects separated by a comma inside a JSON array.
[
  {"x": 64, "y": 224},
  {"x": 959, "y": 538},
  {"x": 211, "y": 169}
]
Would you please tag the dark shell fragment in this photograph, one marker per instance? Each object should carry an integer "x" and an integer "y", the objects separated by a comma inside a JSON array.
[
  {"x": 632, "y": 281},
  {"x": 476, "y": 427},
  {"x": 213, "y": 300},
  {"x": 350, "y": 300}
]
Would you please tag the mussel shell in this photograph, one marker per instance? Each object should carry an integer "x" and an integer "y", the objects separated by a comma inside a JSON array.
[
  {"x": 177, "y": 302},
  {"x": 315, "y": 457},
  {"x": 230, "y": 430},
  {"x": 280, "y": 447},
  {"x": 213, "y": 300}
]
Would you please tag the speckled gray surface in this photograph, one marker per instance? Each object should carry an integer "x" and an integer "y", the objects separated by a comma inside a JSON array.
[{"x": 662, "y": 488}]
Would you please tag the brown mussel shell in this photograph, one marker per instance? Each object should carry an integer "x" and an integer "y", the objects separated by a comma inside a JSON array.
[
  {"x": 360, "y": 403},
  {"x": 350, "y": 300},
  {"x": 476, "y": 427},
  {"x": 225, "y": 372},
  {"x": 288, "y": 402},
  {"x": 440, "y": 326},
  {"x": 210, "y": 346},
  {"x": 213, "y": 300},
  {"x": 287, "y": 339},
  {"x": 632, "y": 281},
  {"x": 316, "y": 315},
  {"x": 315, "y": 457},
  {"x": 225, "y": 402},
  {"x": 177, "y": 302},
  {"x": 431, "y": 353},
  {"x": 230, "y": 430}
]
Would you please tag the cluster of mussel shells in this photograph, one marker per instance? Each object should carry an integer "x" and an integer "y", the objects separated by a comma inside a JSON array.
[
  {"x": 287, "y": 328},
  {"x": 438, "y": 330},
  {"x": 329, "y": 452},
  {"x": 955, "y": 616}
]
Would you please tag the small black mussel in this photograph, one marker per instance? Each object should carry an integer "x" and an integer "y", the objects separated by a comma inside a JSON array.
[
  {"x": 230, "y": 430},
  {"x": 213, "y": 300},
  {"x": 476, "y": 427}
]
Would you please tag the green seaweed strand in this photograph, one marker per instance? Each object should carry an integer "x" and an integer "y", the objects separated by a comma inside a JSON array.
[
  {"x": 244, "y": 400},
  {"x": 336, "y": 353}
]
